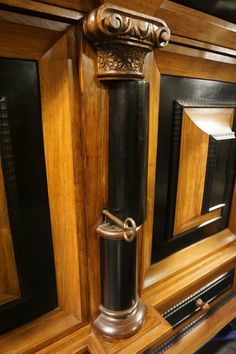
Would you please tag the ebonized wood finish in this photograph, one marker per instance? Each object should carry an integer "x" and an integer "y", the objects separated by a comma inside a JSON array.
[
  {"x": 128, "y": 148},
  {"x": 219, "y": 161},
  {"x": 176, "y": 93},
  {"x": 23, "y": 164},
  {"x": 222, "y": 9},
  {"x": 118, "y": 274},
  {"x": 191, "y": 326},
  {"x": 187, "y": 307}
]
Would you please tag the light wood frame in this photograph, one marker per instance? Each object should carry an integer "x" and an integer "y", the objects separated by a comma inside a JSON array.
[
  {"x": 57, "y": 57},
  {"x": 152, "y": 276},
  {"x": 86, "y": 122}
]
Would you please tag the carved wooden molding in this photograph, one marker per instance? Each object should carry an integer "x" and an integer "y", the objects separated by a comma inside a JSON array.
[{"x": 122, "y": 39}]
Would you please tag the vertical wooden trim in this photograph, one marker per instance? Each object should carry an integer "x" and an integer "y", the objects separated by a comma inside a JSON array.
[
  {"x": 152, "y": 75},
  {"x": 58, "y": 116},
  {"x": 94, "y": 115}
]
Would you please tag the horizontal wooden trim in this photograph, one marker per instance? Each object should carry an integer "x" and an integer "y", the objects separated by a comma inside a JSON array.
[
  {"x": 199, "y": 53},
  {"x": 194, "y": 24},
  {"x": 188, "y": 66},
  {"x": 205, "y": 330},
  {"x": 39, "y": 333},
  {"x": 25, "y": 42},
  {"x": 31, "y": 7},
  {"x": 185, "y": 10},
  {"x": 154, "y": 329},
  {"x": 79, "y": 5},
  {"x": 4, "y": 298},
  {"x": 191, "y": 255},
  {"x": 190, "y": 278},
  {"x": 33, "y": 21},
  {"x": 192, "y": 43}
]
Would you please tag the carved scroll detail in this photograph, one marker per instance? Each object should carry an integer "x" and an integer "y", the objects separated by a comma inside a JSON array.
[{"x": 123, "y": 39}]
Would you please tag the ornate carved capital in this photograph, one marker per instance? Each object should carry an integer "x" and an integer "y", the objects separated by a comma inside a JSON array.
[{"x": 122, "y": 39}]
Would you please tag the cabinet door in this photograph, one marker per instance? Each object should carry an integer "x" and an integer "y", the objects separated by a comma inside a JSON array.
[
  {"x": 27, "y": 275},
  {"x": 195, "y": 162}
]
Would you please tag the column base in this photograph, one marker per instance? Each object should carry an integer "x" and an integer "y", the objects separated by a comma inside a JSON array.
[{"x": 120, "y": 324}]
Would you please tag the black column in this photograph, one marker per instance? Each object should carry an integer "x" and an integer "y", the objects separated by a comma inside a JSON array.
[
  {"x": 128, "y": 148},
  {"x": 128, "y": 152}
]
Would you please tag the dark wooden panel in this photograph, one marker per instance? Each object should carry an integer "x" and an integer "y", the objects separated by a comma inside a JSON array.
[
  {"x": 222, "y": 9},
  {"x": 188, "y": 307},
  {"x": 169, "y": 135},
  {"x": 27, "y": 194},
  {"x": 220, "y": 153}
]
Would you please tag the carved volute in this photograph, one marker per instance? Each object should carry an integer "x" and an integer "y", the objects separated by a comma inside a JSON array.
[{"x": 122, "y": 40}]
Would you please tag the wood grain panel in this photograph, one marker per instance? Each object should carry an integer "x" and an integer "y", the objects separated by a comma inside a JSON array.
[
  {"x": 152, "y": 75},
  {"x": 149, "y": 7},
  {"x": 33, "y": 21},
  {"x": 192, "y": 169},
  {"x": 9, "y": 282},
  {"x": 38, "y": 333},
  {"x": 194, "y": 24},
  {"x": 24, "y": 42},
  {"x": 206, "y": 330},
  {"x": 59, "y": 115},
  {"x": 180, "y": 261},
  {"x": 94, "y": 115},
  {"x": 197, "y": 125},
  {"x": 46, "y": 10},
  {"x": 183, "y": 65},
  {"x": 192, "y": 43},
  {"x": 198, "y": 53},
  {"x": 175, "y": 287},
  {"x": 80, "y": 5}
]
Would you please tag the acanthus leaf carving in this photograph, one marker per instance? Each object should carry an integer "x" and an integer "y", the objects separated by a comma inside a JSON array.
[{"x": 123, "y": 38}]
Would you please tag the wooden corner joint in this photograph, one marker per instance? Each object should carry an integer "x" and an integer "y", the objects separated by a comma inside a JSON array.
[{"x": 122, "y": 39}]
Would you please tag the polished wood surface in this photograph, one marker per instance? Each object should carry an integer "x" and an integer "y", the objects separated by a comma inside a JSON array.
[
  {"x": 59, "y": 115},
  {"x": 9, "y": 282},
  {"x": 198, "y": 124},
  {"x": 75, "y": 120},
  {"x": 94, "y": 117},
  {"x": 205, "y": 330},
  {"x": 154, "y": 329},
  {"x": 80, "y": 5},
  {"x": 39, "y": 333},
  {"x": 42, "y": 9},
  {"x": 33, "y": 21},
  {"x": 190, "y": 23},
  {"x": 24, "y": 42},
  {"x": 183, "y": 65},
  {"x": 180, "y": 261},
  {"x": 152, "y": 75}
]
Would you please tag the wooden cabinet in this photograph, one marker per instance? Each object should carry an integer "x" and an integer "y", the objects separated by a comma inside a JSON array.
[{"x": 185, "y": 249}]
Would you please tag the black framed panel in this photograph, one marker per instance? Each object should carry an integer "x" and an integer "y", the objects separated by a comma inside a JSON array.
[
  {"x": 21, "y": 144},
  {"x": 177, "y": 93}
]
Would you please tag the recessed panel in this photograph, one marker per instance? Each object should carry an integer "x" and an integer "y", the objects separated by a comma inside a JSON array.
[
  {"x": 27, "y": 274},
  {"x": 205, "y": 152},
  {"x": 195, "y": 167}
]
